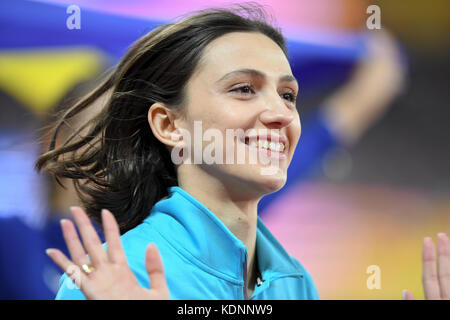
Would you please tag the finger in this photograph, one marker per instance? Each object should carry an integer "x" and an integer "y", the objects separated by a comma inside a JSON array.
[
  {"x": 155, "y": 269},
  {"x": 112, "y": 236},
  {"x": 73, "y": 243},
  {"x": 407, "y": 295},
  {"x": 429, "y": 272},
  {"x": 90, "y": 238},
  {"x": 443, "y": 249},
  {"x": 72, "y": 270}
]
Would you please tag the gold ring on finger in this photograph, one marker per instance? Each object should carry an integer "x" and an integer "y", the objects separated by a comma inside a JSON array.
[{"x": 87, "y": 268}]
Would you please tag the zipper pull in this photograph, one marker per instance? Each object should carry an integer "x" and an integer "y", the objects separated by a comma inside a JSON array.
[{"x": 258, "y": 281}]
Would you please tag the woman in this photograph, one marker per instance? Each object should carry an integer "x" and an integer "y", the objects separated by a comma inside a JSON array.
[
  {"x": 207, "y": 67},
  {"x": 222, "y": 71}
]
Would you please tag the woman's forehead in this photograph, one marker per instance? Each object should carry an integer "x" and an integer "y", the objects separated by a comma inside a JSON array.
[{"x": 243, "y": 50}]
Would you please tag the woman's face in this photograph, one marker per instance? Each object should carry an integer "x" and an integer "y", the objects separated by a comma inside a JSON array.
[{"x": 259, "y": 97}]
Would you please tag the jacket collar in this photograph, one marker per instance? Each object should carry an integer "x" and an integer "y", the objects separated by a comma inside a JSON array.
[{"x": 200, "y": 236}]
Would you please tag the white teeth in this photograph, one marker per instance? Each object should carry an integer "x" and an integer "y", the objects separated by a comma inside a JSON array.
[
  {"x": 272, "y": 146},
  {"x": 278, "y": 147}
]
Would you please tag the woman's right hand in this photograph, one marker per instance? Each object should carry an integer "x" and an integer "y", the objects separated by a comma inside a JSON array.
[{"x": 111, "y": 278}]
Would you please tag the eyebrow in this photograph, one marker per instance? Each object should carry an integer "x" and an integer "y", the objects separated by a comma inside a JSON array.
[{"x": 257, "y": 74}]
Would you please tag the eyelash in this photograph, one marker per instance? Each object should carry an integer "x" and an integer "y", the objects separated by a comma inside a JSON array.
[{"x": 293, "y": 97}]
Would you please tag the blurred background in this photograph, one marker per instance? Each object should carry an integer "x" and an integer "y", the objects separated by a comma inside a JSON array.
[{"x": 370, "y": 178}]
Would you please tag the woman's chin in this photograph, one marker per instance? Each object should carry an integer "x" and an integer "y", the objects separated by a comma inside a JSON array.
[
  {"x": 256, "y": 180},
  {"x": 273, "y": 185},
  {"x": 269, "y": 183}
]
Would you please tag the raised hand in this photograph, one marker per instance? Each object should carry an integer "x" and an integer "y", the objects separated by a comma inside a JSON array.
[
  {"x": 377, "y": 80},
  {"x": 435, "y": 279},
  {"x": 105, "y": 274}
]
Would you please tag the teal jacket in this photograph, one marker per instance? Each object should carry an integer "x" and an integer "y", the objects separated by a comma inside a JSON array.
[{"x": 204, "y": 260}]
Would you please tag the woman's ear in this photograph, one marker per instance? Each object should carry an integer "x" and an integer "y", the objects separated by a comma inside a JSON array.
[{"x": 163, "y": 123}]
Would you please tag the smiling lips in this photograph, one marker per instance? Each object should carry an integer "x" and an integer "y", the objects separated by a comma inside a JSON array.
[{"x": 272, "y": 146}]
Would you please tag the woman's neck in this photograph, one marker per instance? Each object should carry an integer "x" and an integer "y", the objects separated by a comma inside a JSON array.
[{"x": 237, "y": 213}]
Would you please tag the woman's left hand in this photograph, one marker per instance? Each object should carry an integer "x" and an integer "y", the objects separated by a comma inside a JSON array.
[
  {"x": 435, "y": 278},
  {"x": 106, "y": 274}
]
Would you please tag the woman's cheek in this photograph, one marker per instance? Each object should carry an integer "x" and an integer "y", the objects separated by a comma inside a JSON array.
[{"x": 298, "y": 131}]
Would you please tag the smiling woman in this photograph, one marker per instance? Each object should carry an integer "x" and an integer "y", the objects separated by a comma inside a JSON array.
[{"x": 227, "y": 69}]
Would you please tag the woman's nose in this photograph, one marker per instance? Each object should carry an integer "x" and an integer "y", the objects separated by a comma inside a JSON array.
[{"x": 276, "y": 115}]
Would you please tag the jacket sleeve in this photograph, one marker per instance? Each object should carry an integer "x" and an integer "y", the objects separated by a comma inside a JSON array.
[{"x": 310, "y": 289}]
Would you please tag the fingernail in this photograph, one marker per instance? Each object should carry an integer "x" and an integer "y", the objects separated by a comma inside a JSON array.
[
  {"x": 427, "y": 239},
  {"x": 442, "y": 235},
  {"x": 62, "y": 221},
  {"x": 404, "y": 294},
  {"x": 48, "y": 251}
]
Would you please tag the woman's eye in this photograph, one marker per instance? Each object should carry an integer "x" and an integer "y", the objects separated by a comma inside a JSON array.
[
  {"x": 243, "y": 89},
  {"x": 290, "y": 97},
  {"x": 249, "y": 89}
]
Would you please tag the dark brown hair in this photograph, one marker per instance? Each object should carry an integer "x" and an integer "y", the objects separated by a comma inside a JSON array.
[{"x": 118, "y": 164}]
